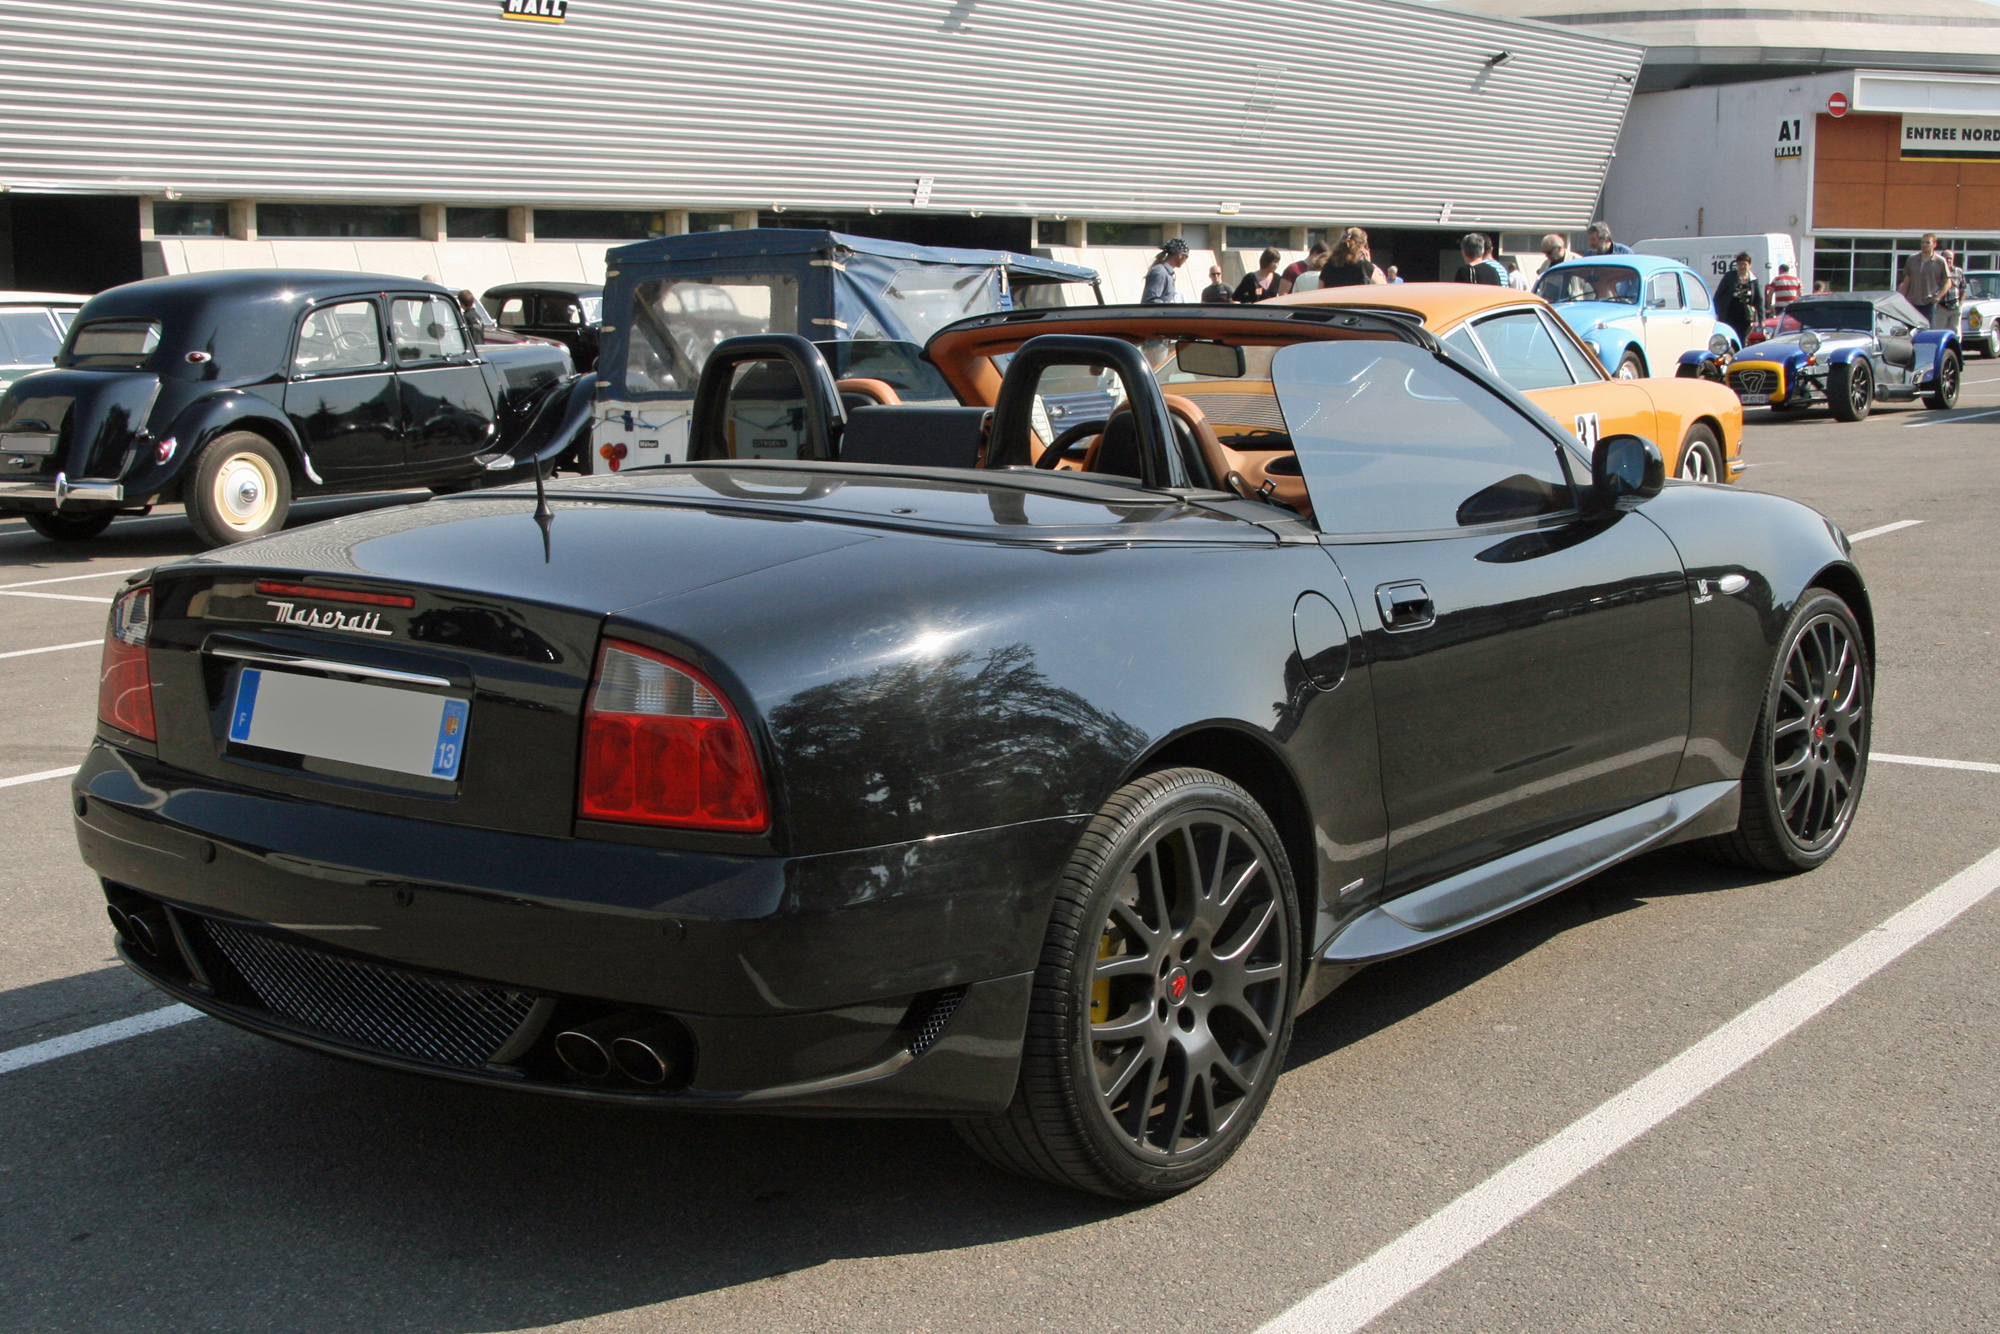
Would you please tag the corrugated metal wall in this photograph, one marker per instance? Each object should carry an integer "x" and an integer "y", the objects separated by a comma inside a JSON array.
[{"x": 1364, "y": 110}]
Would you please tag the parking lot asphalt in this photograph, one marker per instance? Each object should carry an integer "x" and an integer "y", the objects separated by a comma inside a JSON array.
[{"x": 196, "y": 1178}]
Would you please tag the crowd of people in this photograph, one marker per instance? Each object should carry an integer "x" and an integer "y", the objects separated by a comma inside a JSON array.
[{"x": 1931, "y": 280}]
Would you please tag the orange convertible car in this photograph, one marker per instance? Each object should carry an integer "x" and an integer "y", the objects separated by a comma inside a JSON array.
[{"x": 1697, "y": 425}]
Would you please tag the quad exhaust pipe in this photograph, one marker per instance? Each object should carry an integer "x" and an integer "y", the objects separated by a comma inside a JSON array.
[
  {"x": 146, "y": 929},
  {"x": 646, "y": 1047}
]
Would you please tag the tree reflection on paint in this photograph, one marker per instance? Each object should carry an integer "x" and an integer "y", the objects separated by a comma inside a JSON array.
[{"x": 945, "y": 744}]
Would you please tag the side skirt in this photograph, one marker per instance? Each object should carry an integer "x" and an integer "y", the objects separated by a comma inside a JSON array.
[{"x": 1507, "y": 884}]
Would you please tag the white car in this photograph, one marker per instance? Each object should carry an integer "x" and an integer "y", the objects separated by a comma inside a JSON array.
[
  {"x": 1979, "y": 314},
  {"x": 32, "y": 327}
]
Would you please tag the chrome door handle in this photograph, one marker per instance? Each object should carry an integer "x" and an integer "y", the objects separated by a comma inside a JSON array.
[{"x": 1405, "y": 606}]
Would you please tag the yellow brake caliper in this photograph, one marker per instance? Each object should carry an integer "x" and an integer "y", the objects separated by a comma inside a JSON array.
[{"x": 1100, "y": 991}]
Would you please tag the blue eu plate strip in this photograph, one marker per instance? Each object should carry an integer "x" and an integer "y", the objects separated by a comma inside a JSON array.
[
  {"x": 246, "y": 704},
  {"x": 451, "y": 739}
]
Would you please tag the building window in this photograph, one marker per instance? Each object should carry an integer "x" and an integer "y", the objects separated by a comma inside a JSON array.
[
  {"x": 1126, "y": 233},
  {"x": 598, "y": 224},
  {"x": 476, "y": 224},
  {"x": 1876, "y": 263},
  {"x": 711, "y": 222},
  {"x": 340, "y": 220},
  {"x": 1257, "y": 238},
  {"x": 183, "y": 219}
]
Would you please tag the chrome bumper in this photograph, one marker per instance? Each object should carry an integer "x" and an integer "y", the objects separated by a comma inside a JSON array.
[{"x": 61, "y": 490}]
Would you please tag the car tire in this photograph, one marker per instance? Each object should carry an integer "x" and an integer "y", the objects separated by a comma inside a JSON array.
[
  {"x": 1701, "y": 456},
  {"x": 1809, "y": 755},
  {"x": 1944, "y": 396},
  {"x": 1193, "y": 970},
  {"x": 70, "y": 527},
  {"x": 237, "y": 489},
  {"x": 1631, "y": 366},
  {"x": 1850, "y": 389}
]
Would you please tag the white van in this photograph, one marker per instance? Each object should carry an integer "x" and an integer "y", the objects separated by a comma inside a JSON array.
[{"x": 1712, "y": 256}]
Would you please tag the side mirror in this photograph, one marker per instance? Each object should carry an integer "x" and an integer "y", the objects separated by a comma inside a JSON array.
[{"x": 1626, "y": 469}]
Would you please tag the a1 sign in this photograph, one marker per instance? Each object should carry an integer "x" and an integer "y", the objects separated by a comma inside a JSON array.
[
  {"x": 1791, "y": 141},
  {"x": 1836, "y": 106}
]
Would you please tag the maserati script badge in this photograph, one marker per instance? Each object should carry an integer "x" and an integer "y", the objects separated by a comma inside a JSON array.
[{"x": 361, "y": 623}]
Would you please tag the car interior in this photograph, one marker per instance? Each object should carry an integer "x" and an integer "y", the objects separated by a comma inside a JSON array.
[{"x": 1219, "y": 399}]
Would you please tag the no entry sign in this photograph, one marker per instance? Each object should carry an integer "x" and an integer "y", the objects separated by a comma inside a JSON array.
[{"x": 1837, "y": 105}]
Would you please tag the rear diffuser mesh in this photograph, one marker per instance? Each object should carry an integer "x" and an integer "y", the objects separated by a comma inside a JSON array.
[{"x": 436, "y": 1019}]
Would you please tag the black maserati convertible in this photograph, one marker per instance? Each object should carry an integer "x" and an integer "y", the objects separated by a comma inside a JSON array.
[{"x": 931, "y": 763}]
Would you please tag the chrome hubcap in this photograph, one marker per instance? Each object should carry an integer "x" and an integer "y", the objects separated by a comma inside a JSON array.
[
  {"x": 1188, "y": 989},
  {"x": 245, "y": 491}
]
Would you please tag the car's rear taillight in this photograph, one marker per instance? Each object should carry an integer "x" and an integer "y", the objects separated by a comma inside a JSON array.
[
  {"x": 662, "y": 746},
  {"x": 124, "y": 686}
]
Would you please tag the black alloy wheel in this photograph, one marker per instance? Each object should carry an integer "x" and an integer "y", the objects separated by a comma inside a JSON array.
[
  {"x": 70, "y": 527},
  {"x": 1163, "y": 1005},
  {"x": 1809, "y": 756},
  {"x": 1944, "y": 395},
  {"x": 1701, "y": 456},
  {"x": 1850, "y": 389}
]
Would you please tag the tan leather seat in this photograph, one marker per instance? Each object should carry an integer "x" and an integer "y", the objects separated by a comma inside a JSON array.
[{"x": 879, "y": 392}]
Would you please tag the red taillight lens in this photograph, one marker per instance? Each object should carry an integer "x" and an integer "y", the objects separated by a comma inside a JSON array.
[
  {"x": 124, "y": 685},
  {"x": 662, "y": 746}
]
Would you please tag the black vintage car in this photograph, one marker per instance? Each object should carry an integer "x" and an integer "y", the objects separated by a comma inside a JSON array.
[
  {"x": 568, "y": 313},
  {"x": 921, "y": 772},
  {"x": 235, "y": 391}
]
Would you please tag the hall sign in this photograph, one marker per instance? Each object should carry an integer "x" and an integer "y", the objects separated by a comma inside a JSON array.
[
  {"x": 1951, "y": 138},
  {"x": 535, "y": 11}
]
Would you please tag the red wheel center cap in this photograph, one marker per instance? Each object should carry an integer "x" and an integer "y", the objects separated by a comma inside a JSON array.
[{"x": 1177, "y": 985}]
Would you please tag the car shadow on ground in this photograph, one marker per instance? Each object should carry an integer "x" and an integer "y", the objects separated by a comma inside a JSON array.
[
  {"x": 200, "y": 1178},
  {"x": 203, "y": 1178},
  {"x": 165, "y": 535},
  {"x": 1384, "y": 995}
]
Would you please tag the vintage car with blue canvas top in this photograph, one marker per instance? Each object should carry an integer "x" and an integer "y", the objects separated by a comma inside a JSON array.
[
  {"x": 1840, "y": 350},
  {"x": 1640, "y": 314},
  {"x": 868, "y": 304},
  {"x": 234, "y": 391}
]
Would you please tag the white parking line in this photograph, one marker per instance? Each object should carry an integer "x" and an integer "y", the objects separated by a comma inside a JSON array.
[
  {"x": 1455, "y": 1231},
  {"x": 70, "y": 578},
  {"x": 1946, "y": 421},
  {"x": 1975, "y": 766},
  {"x": 42, "y": 777},
  {"x": 1897, "y": 526},
  {"x": 53, "y": 597},
  {"x": 53, "y": 648},
  {"x": 115, "y": 1031}
]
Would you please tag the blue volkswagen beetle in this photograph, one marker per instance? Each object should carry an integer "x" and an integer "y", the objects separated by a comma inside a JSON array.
[{"x": 1639, "y": 313}]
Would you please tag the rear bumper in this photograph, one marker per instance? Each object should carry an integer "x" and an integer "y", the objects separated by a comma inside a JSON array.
[
  {"x": 61, "y": 493},
  {"x": 804, "y": 981}
]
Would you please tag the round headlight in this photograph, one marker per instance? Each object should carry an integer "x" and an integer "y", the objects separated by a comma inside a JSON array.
[
  {"x": 1719, "y": 344},
  {"x": 1809, "y": 342}
]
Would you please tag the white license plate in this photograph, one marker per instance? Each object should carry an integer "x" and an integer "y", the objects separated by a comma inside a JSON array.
[
  {"x": 403, "y": 731},
  {"x": 1753, "y": 399},
  {"x": 16, "y": 443}
]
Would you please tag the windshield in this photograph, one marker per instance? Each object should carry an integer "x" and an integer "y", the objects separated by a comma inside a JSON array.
[
  {"x": 593, "y": 309},
  {"x": 924, "y": 298},
  {"x": 1983, "y": 286},
  {"x": 899, "y": 365},
  {"x": 1857, "y": 317},
  {"x": 676, "y": 324},
  {"x": 1590, "y": 282},
  {"x": 114, "y": 344}
]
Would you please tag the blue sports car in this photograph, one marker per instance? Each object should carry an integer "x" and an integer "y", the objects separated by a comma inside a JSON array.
[
  {"x": 1639, "y": 313},
  {"x": 1843, "y": 350}
]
